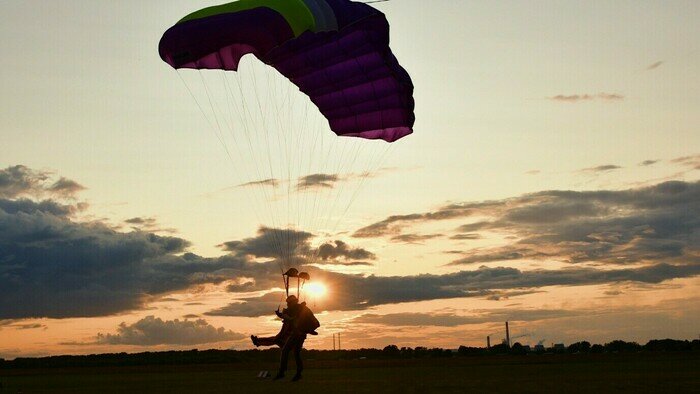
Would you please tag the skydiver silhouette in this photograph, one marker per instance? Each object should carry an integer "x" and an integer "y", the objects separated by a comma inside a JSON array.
[{"x": 302, "y": 322}]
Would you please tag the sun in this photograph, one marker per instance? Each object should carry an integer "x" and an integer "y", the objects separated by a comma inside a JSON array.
[{"x": 316, "y": 290}]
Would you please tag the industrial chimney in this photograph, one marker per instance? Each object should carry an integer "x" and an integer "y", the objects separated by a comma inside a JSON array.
[
  {"x": 507, "y": 335},
  {"x": 488, "y": 342}
]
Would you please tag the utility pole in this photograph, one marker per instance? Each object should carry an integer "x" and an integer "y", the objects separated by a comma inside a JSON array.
[
  {"x": 333, "y": 341},
  {"x": 339, "y": 341},
  {"x": 488, "y": 342}
]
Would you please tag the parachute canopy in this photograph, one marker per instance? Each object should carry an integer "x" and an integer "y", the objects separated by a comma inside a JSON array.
[{"x": 336, "y": 51}]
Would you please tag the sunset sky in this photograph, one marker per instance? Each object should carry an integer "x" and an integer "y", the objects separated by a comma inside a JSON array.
[{"x": 552, "y": 180}]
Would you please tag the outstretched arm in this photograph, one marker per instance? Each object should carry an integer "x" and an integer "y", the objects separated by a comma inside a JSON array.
[{"x": 283, "y": 316}]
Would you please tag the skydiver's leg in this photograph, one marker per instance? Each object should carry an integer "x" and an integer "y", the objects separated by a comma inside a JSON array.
[
  {"x": 297, "y": 357},
  {"x": 265, "y": 341},
  {"x": 284, "y": 358}
]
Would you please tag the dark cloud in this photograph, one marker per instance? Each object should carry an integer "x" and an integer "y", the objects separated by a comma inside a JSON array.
[
  {"x": 141, "y": 221},
  {"x": 17, "y": 325},
  {"x": 265, "y": 182},
  {"x": 491, "y": 255},
  {"x": 356, "y": 292},
  {"x": 148, "y": 224},
  {"x": 293, "y": 247},
  {"x": 659, "y": 223},
  {"x": 21, "y": 181},
  {"x": 587, "y": 97},
  {"x": 603, "y": 168},
  {"x": 155, "y": 331},
  {"x": 394, "y": 224},
  {"x": 654, "y": 224},
  {"x": 355, "y": 263},
  {"x": 66, "y": 187},
  {"x": 25, "y": 206},
  {"x": 339, "y": 249},
  {"x": 272, "y": 243},
  {"x": 466, "y": 236},
  {"x": 655, "y": 65},
  {"x": 317, "y": 181},
  {"x": 414, "y": 238},
  {"x": 51, "y": 266},
  {"x": 646, "y": 163}
]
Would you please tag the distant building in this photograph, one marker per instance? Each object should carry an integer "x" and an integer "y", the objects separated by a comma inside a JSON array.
[{"x": 539, "y": 347}]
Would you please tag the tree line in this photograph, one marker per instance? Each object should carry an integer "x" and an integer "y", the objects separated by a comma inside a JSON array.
[{"x": 195, "y": 356}]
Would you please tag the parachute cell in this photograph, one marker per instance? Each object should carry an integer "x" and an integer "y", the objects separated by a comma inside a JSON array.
[{"x": 336, "y": 51}]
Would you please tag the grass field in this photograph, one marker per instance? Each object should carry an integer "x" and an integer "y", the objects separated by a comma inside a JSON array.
[{"x": 650, "y": 372}]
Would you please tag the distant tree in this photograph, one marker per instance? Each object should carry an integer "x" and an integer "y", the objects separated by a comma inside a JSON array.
[
  {"x": 622, "y": 346},
  {"x": 668, "y": 345},
  {"x": 597, "y": 348},
  {"x": 439, "y": 352},
  {"x": 579, "y": 347},
  {"x": 420, "y": 351},
  {"x": 406, "y": 352},
  {"x": 391, "y": 350},
  {"x": 470, "y": 351}
]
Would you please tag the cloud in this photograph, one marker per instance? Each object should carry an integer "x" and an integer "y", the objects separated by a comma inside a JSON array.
[
  {"x": 155, "y": 331},
  {"x": 655, "y": 65},
  {"x": 646, "y": 163},
  {"x": 21, "y": 181},
  {"x": 648, "y": 225},
  {"x": 356, "y": 292},
  {"x": 265, "y": 182},
  {"x": 66, "y": 187},
  {"x": 293, "y": 247},
  {"x": 466, "y": 236},
  {"x": 339, "y": 249},
  {"x": 692, "y": 161},
  {"x": 148, "y": 224},
  {"x": 317, "y": 181},
  {"x": 394, "y": 224},
  {"x": 414, "y": 238},
  {"x": 603, "y": 168},
  {"x": 587, "y": 97},
  {"x": 53, "y": 266},
  {"x": 29, "y": 207},
  {"x": 272, "y": 243},
  {"x": 654, "y": 224},
  {"x": 10, "y": 323},
  {"x": 141, "y": 221}
]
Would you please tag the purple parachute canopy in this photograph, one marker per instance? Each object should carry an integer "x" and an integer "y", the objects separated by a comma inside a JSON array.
[{"x": 336, "y": 51}]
